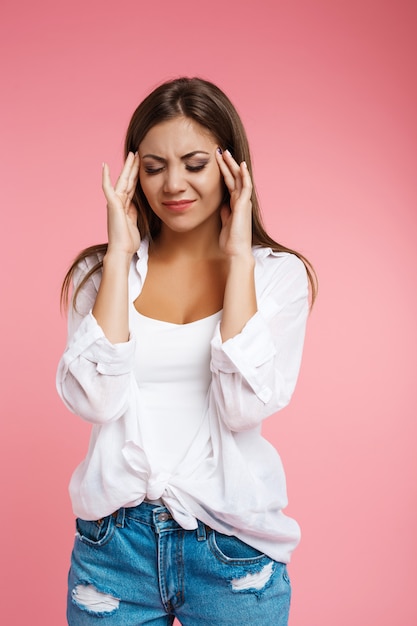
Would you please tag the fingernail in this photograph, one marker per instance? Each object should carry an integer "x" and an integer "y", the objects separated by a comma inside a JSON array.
[
  {"x": 219, "y": 150},
  {"x": 228, "y": 152}
]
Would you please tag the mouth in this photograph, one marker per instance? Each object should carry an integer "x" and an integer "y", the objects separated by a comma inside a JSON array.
[{"x": 178, "y": 205}]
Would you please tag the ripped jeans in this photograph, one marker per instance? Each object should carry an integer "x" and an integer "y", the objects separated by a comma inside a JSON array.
[{"x": 139, "y": 567}]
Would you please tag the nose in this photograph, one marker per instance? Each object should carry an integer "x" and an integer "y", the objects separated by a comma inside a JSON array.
[{"x": 174, "y": 181}]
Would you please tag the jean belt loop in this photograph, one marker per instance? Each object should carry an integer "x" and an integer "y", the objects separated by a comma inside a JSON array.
[
  {"x": 201, "y": 531},
  {"x": 120, "y": 518}
]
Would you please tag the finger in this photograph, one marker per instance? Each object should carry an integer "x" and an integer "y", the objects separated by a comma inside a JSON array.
[
  {"x": 133, "y": 176},
  {"x": 233, "y": 176},
  {"x": 246, "y": 178},
  {"x": 106, "y": 181},
  {"x": 245, "y": 197},
  {"x": 233, "y": 165},
  {"x": 228, "y": 176},
  {"x": 122, "y": 182}
]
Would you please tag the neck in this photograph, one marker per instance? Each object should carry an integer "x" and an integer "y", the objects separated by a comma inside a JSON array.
[{"x": 193, "y": 245}]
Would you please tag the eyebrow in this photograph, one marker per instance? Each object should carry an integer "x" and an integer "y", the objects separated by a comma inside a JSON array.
[{"x": 189, "y": 155}]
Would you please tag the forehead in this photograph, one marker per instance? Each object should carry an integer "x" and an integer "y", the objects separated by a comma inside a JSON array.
[{"x": 178, "y": 136}]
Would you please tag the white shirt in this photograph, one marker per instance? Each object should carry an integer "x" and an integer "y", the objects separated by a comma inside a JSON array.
[{"x": 239, "y": 487}]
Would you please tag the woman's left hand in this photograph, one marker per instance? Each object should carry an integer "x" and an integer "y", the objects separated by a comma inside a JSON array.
[{"x": 236, "y": 233}]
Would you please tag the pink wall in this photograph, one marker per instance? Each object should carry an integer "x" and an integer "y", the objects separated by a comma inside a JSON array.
[{"x": 327, "y": 92}]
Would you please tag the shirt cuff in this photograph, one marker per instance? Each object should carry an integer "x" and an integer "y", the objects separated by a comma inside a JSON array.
[{"x": 90, "y": 342}]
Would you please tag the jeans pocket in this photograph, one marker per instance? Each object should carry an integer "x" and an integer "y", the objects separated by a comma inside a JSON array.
[
  {"x": 95, "y": 533},
  {"x": 230, "y": 549}
]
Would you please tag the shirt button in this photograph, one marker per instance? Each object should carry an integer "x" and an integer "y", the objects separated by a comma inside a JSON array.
[{"x": 163, "y": 517}]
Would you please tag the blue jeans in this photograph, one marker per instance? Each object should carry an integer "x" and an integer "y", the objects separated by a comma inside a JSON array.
[{"x": 138, "y": 567}]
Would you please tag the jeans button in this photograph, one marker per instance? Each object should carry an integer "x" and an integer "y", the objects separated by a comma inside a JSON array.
[{"x": 163, "y": 517}]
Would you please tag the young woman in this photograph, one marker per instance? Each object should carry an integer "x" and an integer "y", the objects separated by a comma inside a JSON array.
[{"x": 185, "y": 332}]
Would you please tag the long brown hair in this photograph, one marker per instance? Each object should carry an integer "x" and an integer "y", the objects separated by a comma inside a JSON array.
[{"x": 206, "y": 104}]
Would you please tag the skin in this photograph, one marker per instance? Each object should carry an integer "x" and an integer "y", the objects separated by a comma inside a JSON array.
[{"x": 202, "y": 260}]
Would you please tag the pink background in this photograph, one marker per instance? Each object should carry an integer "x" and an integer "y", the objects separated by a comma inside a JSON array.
[{"x": 327, "y": 91}]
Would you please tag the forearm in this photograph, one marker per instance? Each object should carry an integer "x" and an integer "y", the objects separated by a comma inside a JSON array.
[
  {"x": 255, "y": 373},
  {"x": 111, "y": 308},
  {"x": 239, "y": 303}
]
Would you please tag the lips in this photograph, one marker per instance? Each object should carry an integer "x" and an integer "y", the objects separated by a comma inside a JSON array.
[{"x": 178, "y": 205}]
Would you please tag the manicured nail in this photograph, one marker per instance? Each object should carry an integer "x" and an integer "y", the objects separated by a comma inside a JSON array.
[{"x": 219, "y": 150}]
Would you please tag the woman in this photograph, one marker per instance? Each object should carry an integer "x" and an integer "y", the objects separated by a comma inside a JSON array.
[{"x": 185, "y": 332}]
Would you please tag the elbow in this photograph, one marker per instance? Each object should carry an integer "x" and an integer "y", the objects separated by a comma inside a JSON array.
[
  {"x": 240, "y": 412},
  {"x": 93, "y": 405},
  {"x": 94, "y": 412},
  {"x": 238, "y": 423},
  {"x": 243, "y": 415},
  {"x": 99, "y": 414}
]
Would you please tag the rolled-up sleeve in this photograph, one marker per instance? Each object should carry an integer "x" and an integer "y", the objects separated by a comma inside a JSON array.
[
  {"x": 94, "y": 375},
  {"x": 254, "y": 373}
]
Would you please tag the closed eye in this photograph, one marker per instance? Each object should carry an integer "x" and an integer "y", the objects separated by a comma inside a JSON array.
[
  {"x": 153, "y": 170},
  {"x": 189, "y": 168},
  {"x": 196, "y": 168}
]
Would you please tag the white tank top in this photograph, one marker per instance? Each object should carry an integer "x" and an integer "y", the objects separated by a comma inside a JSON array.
[{"x": 173, "y": 375}]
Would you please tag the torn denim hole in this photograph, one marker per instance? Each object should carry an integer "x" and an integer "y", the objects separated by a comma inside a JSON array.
[
  {"x": 256, "y": 581},
  {"x": 89, "y": 598}
]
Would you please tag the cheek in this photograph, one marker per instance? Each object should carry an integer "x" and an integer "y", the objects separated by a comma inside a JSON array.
[
  {"x": 147, "y": 191},
  {"x": 142, "y": 180}
]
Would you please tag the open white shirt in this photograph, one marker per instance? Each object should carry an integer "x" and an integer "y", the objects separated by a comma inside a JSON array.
[{"x": 230, "y": 478}]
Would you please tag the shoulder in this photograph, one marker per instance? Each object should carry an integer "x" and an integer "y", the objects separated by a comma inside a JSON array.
[
  {"x": 88, "y": 268},
  {"x": 274, "y": 262},
  {"x": 279, "y": 272}
]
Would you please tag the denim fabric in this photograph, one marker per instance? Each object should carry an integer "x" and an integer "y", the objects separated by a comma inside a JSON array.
[{"x": 138, "y": 567}]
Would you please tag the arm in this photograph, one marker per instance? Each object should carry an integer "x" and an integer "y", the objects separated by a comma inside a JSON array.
[
  {"x": 254, "y": 373},
  {"x": 239, "y": 303},
  {"x": 93, "y": 377},
  {"x": 111, "y": 305},
  {"x": 256, "y": 354}
]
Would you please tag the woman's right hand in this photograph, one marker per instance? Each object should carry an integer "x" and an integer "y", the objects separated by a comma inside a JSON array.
[{"x": 123, "y": 232}]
